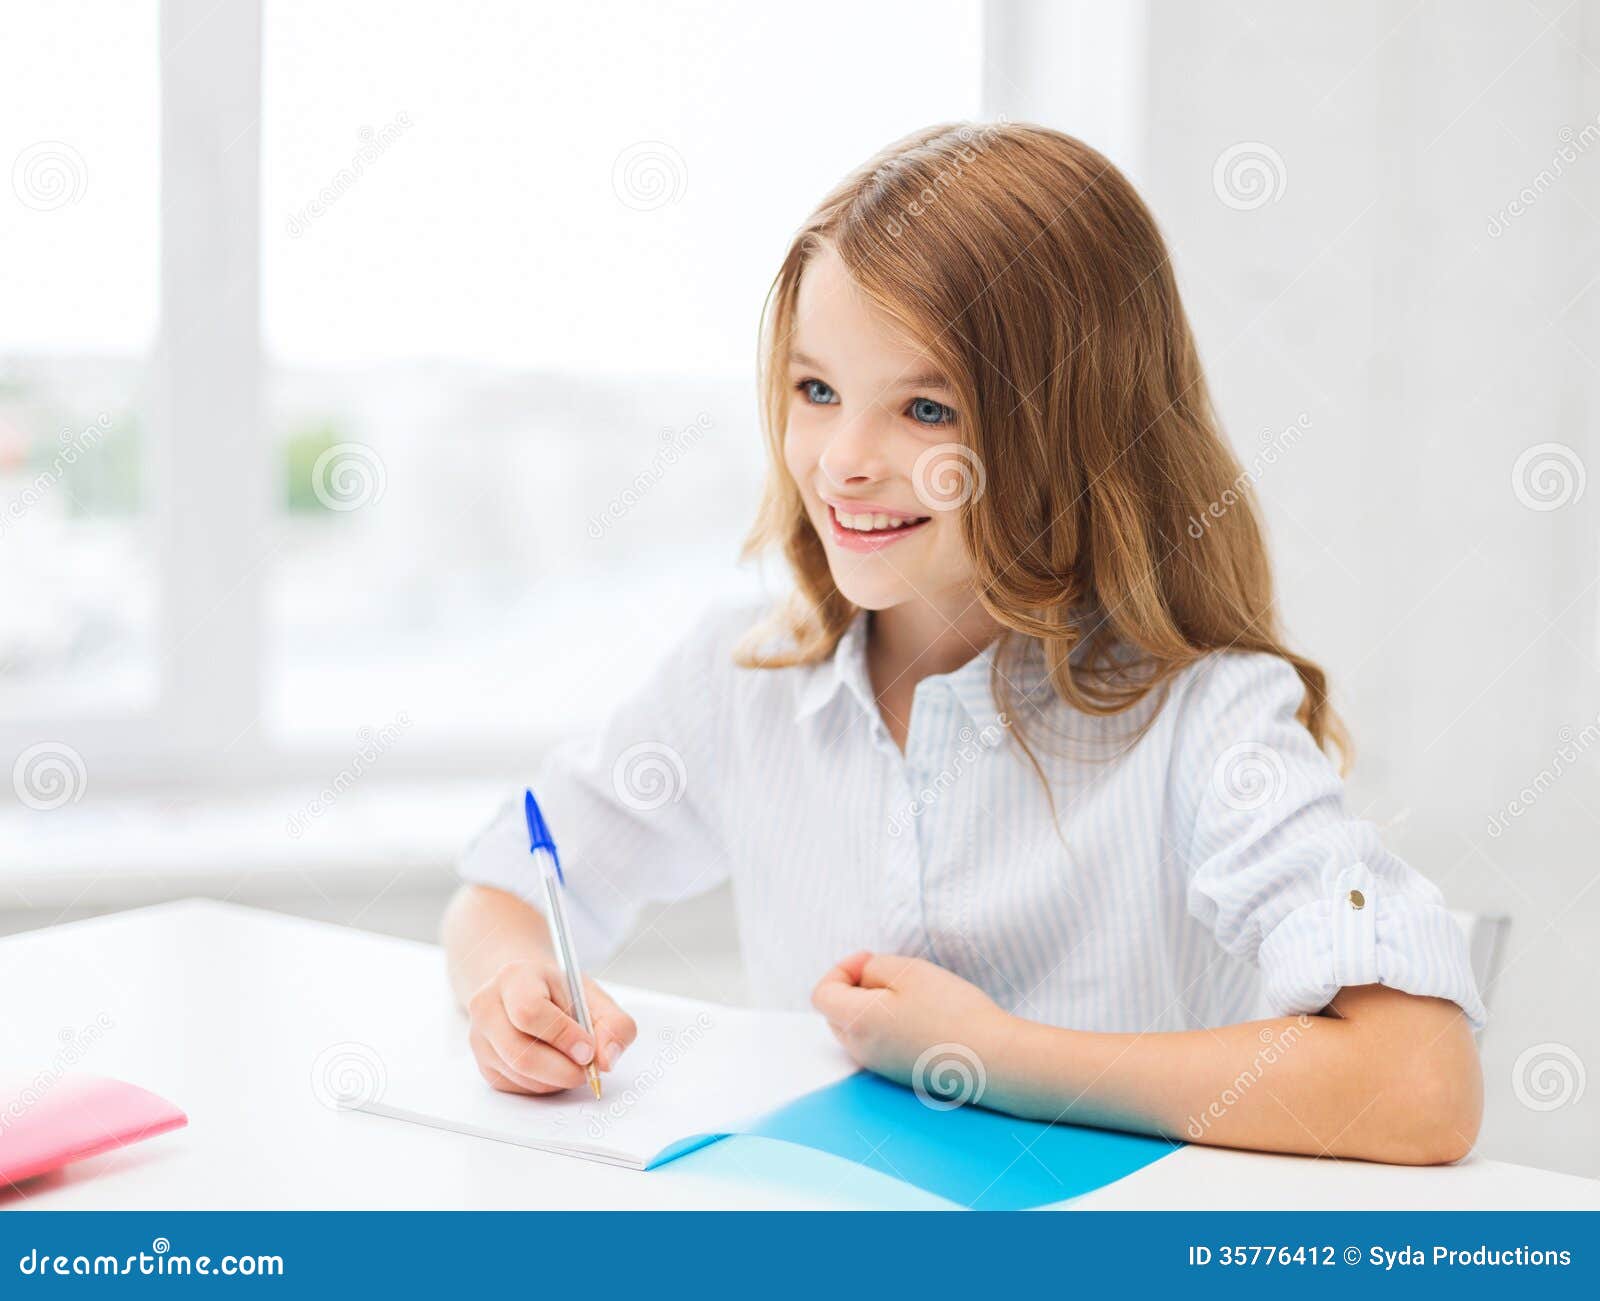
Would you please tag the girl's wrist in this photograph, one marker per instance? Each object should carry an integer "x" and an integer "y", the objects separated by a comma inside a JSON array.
[{"x": 1018, "y": 1063}]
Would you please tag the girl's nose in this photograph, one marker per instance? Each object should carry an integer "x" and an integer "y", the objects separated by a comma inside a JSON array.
[{"x": 855, "y": 454}]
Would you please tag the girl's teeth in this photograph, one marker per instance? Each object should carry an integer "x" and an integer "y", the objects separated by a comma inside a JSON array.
[{"x": 870, "y": 523}]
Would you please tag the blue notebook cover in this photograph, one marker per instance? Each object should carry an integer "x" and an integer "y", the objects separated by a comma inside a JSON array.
[{"x": 969, "y": 1156}]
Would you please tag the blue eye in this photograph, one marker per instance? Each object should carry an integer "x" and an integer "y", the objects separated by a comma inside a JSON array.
[
  {"x": 818, "y": 393},
  {"x": 925, "y": 411}
]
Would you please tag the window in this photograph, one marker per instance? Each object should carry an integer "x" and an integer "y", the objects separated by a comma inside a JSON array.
[
  {"x": 483, "y": 428},
  {"x": 79, "y": 230}
]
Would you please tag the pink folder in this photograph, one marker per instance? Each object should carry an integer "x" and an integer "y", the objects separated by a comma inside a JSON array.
[{"x": 42, "y": 1127}]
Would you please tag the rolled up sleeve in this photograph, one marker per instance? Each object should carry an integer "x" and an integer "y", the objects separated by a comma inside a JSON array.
[{"x": 1280, "y": 871}]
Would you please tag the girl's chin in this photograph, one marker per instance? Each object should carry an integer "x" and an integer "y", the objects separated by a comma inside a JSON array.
[{"x": 870, "y": 595}]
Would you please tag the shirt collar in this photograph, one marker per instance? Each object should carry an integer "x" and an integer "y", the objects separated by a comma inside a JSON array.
[
  {"x": 846, "y": 669},
  {"x": 970, "y": 684}
]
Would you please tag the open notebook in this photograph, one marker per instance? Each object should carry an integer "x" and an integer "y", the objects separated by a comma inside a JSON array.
[{"x": 696, "y": 1071}]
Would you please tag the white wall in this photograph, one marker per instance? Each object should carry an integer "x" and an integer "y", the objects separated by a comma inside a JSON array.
[{"x": 1427, "y": 354}]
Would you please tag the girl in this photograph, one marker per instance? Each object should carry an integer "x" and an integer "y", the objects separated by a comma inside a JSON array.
[{"x": 1024, "y": 776}]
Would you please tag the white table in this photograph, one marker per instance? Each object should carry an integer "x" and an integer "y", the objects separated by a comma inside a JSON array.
[{"x": 225, "y": 1011}]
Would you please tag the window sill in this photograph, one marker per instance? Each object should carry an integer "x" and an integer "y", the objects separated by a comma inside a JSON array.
[{"x": 114, "y": 852}]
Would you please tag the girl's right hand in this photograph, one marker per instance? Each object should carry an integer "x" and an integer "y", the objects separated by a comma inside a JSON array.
[{"x": 525, "y": 1038}]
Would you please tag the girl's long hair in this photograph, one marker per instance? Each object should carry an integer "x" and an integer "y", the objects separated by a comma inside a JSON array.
[{"x": 1114, "y": 526}]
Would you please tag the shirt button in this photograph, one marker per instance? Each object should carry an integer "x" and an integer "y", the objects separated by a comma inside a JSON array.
[{"x": 1358, "y": 901}]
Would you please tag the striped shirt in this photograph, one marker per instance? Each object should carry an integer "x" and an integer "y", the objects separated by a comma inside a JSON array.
[{"x": 1205, "y": 873}]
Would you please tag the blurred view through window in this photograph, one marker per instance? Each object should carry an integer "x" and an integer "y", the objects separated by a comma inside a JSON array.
[{"x": 512, "y": 263}]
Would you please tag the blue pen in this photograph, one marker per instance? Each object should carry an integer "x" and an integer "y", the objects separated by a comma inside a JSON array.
[{"x": 543, "y": 849}]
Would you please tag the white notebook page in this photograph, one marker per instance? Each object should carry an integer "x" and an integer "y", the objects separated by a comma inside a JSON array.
[{"x": 695, "y": 1069}]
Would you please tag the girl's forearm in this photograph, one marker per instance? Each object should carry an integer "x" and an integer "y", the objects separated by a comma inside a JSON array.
[
  {"x": 483, "y": 930},
  {"x": 1397, "y": 1079}
]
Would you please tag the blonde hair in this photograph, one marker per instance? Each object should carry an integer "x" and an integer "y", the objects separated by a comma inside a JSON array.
[{"x": 1111, "y": 529}]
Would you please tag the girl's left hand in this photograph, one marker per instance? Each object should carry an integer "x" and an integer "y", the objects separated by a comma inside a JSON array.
[{"x": 888, "y": 1011}]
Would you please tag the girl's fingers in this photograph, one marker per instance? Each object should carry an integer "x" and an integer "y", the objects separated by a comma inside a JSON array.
[
  {"x": 847, "y": 971},
  {"x": 497, "y": 1073},
  {"x": 879, "y": 970},
  {"x": 839, "y": 1035},
  {"x": 530, "y": 1009},
  {"x": 489, "y": 1068},
  {"x": 498, "y": 1082},
  {"x": 527, "y": 1060},
  {"x": 614, "y": 1029},
  {"x": 838, "y": 1000}
]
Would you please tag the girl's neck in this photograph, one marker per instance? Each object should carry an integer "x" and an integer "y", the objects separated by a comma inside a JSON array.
[{"x": 907, "y": 643}]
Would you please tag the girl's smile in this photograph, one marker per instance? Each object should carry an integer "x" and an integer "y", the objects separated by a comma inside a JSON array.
[{"x": 867, "y": 526}]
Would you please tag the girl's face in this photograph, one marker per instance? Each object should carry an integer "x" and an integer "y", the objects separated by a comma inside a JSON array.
[{"x": 873, "y": 442}]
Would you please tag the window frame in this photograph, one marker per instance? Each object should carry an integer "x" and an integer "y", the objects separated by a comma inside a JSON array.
[{"x": 207, "y": 466}]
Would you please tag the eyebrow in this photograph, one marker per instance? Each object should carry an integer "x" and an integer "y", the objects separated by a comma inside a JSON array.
[{"x": 928, "y": 379}]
